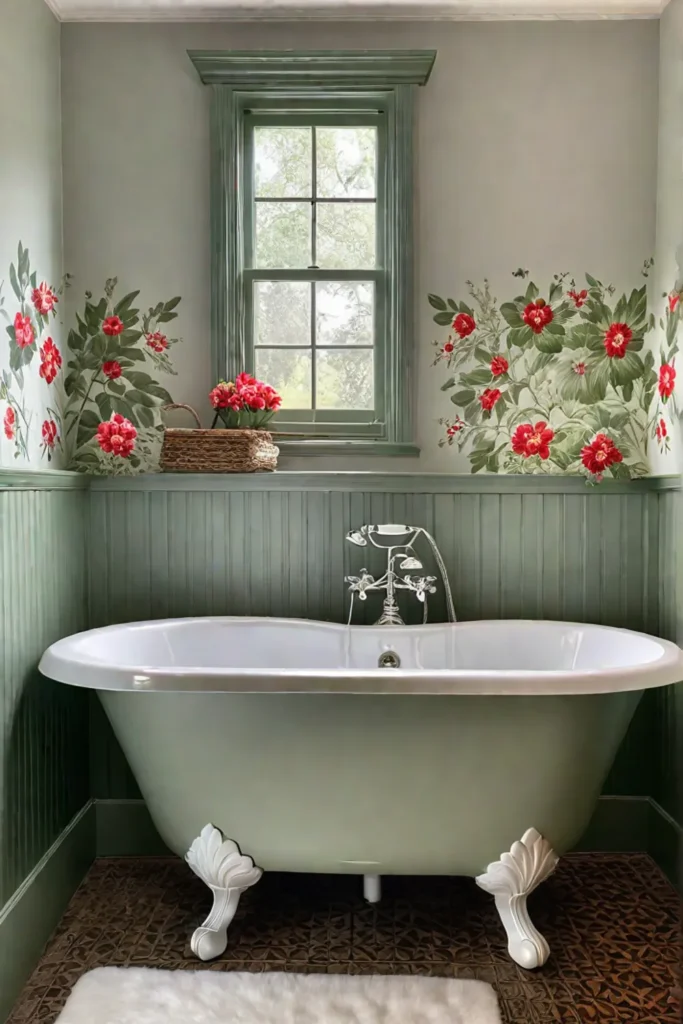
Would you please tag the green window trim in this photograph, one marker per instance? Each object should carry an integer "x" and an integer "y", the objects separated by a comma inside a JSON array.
[{"x": 364, "y": 81}]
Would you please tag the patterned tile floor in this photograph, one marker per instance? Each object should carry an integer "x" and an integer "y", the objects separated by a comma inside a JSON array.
[{"x": 613, "y": 923}]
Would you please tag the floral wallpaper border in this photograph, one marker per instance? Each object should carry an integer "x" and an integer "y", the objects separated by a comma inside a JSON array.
[{"x": 559, "y": 381}]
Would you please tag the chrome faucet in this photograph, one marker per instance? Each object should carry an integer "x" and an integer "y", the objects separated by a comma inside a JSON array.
[{"x": 391, "y": 582}]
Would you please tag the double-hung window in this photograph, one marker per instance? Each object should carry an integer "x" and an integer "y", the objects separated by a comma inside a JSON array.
[{"x": 312, "y": 239}]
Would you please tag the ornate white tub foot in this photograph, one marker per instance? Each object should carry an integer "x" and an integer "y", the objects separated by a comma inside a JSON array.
[
  {"x": 227, "y": 872},
  {"x": 510, "y": 880}
]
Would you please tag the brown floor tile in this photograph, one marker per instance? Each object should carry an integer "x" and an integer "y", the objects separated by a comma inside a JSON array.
[{"x": 612, "y": 921}]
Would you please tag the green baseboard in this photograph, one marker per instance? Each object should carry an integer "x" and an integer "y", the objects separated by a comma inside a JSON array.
[
  {"x": 620, "y": 824},
  {"x": 32, "y": 914}
]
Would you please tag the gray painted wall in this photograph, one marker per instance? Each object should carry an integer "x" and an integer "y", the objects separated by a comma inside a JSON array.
[
  {"x": 30, "y": 172},
  {"x": 536, "y": 148}
]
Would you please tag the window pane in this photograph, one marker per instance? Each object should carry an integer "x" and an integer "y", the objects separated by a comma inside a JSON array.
[
  {"x": 346, "y": 236},
  {"x": 289, "y": 372},
  {"x": 346, "y": 162},
  {"x": 283, "y": 161},
  {"x": 283, "y": 235},
  {"x": 282, "y": 313},
  {"x": 344, "y": 313},
  {"x": 345, "y": 379}
]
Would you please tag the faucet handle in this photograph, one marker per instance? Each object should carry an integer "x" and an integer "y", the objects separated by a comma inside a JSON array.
[
  {"x": 360, "y": 584},
  {"x": 421, "y": 585}
]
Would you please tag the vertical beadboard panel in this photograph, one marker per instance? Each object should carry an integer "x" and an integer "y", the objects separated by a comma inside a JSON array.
[
  {"x": 43, "y": 726},
  {"x": 578, "y": 556}
]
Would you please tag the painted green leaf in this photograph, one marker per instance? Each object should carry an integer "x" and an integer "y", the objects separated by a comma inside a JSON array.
[
  {"x": 14, "y": 282},
  {"x": 478, "y": 377},
  {"x": 124, "y": 304},
  {"x": 443, "y": 319},
  {"x": 135, "y": 397},
  {"x": 620, "y": 471},
  {"x": 104, "y": 405},
  {"x": 540, "y": 362},
  {"x": 592, "y": 281},
  {"x": 627, "y": 391},
  {"x": 434, "y": 300},
  {"x": 549, "y": 341},
  {"x": 122, "y": 406},
  {"x": 555, "y": 292},
  {"x": 581, "y": 335},
  {"x": 597, "y": 370},
  {"x": 510, "y": 314},
  {"x": 145, "y": 416},
  {"x": 531, "y": 293},
  {"x": 618, "y": 419},
  {"x": 446, "y": 386},
  {"x": 116, "y": 387},
  {"x": 89, "y": 420},
  {"x": 520, "y": 337},
  {"x": 623, "y": 371},
  {"x": 564, "y": 313},
  {"x": 452, "y": 304},
  {"x": 159, "y": 392},
  {"x": 463, "y": 398},
  {"x": 165, "y": 318},
  {"x": 98, "y": 347},
  {"x": 134, "y": 354}
]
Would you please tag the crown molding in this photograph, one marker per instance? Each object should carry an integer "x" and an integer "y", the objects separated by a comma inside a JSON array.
[{"x": 352, "y": 10}]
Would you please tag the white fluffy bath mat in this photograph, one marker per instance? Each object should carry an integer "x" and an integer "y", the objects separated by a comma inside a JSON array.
[{"x": 140, "y": 995}]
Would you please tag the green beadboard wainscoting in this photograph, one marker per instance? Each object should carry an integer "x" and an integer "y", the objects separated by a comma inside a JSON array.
[
  {"x": 46, "y": 839},
  {"x": 273, "y": 544}
]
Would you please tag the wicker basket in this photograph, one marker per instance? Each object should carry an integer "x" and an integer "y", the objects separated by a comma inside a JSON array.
[{"x": 196, "y": 450}]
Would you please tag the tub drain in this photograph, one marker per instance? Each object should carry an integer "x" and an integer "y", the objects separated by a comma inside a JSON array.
[{"x": 389, "y": 660}]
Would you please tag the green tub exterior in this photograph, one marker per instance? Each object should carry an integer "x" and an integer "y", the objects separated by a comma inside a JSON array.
[{"x": 370, "y": 784}]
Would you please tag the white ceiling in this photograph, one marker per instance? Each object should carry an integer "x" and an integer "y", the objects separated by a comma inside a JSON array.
[{"x": 343, "y": 10}]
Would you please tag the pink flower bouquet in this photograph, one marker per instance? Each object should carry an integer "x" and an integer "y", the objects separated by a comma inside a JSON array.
[{"x": 247, "y": 403}]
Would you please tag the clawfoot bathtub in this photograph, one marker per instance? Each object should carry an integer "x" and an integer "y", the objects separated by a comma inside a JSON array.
[{"x": 474, "y": 749}]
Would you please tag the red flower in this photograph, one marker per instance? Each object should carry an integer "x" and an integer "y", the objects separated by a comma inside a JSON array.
[
  {"x": 464, "y": 324},
  {"x": 112, "y": 325},
  {"x": 111, "y": 369},
  {"x": 499, "y": 366},
  {"x": 9, "y": 423},
  {"x": 224, "y": 396},
  {"x": 488, "y": 398},
  {"x": 529, "y": 440},
  {"x": 661, "y": 431},
  {"x": 578, "y": 298},
  {"x": 23, "y": 331},
  {"x": 667, "y": 380},
  {"x": 448, "y": 347},
  {"x": 600, "y": 454},
  {"x": 50, "y": 361},
  {"x": 617, "y": 338},
  {"x": 579, "y": 368},
  {"x": 117, "y": 435},
  {"x": 157, "y": 341},
  {"x": 49, "y": 433},
  {"x": 537, "y": 315},
  {"x": 454, "y": 427},
  {"x": 43, "y": 298},
  {"x": 674, "y": 299}
]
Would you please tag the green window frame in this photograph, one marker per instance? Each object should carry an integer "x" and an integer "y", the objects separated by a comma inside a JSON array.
[{"x": 348, "y": 87}]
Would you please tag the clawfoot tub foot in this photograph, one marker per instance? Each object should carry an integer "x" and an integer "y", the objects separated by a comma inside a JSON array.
[
  {"x": 227, "y": 872},
  {"x": 510, "y": 880}
]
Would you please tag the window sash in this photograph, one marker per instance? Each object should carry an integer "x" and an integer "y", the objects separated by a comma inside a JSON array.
[{"x": 355, "y": 422}]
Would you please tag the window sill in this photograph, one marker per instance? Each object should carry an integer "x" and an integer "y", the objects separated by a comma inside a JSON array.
[{"x": 311, "y": 446}]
